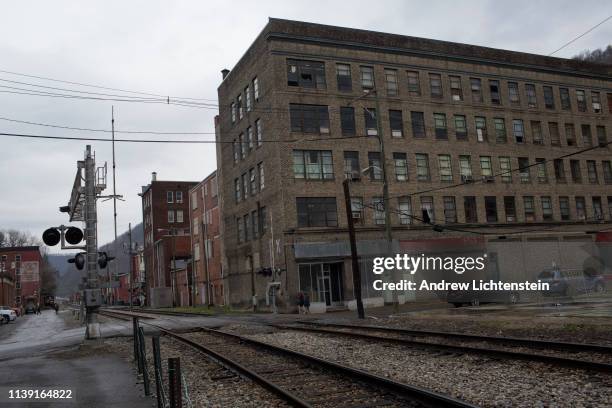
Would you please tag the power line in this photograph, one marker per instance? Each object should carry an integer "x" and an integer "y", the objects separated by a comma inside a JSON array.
[
  {"x": 105, "y": 130},
  {"x": 580, "y": 36},
  {"x": 101, "y": 87}
]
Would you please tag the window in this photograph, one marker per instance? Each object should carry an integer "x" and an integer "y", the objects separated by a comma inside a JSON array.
[
  {"x": 240, "y": 229},
  {"x": 536, "y": 131},
  {"x": 506, "y": 169},
  {"x": 343, "y": 77},
  {"x": 247, "y": 225},
  {"x": 414, "y": 84},
  {"x": 422, "y": 162},
  {"x": 194, "y": 200},
  {"x": 575, "y": 170},
  {"x": 581, "y": 100},
  {"x": 565, "y": 99},
  {"x": 240, "y": 107},
  {"x": 491, "y": 208},
  {"x": 559, "y": 170},
  {"x": 263, "y": 220},
  {"x": 485, "y": 166},
  {"x": 169, "y": 197},
  {"x": 309, "y": 118},
  {"x": 379, "y": 210},
  {"x": 476, "y": 87},
  {"x": 530, "y": 91},
  {"x": 481, "y": 128},
  {"x": 469, "y": 207},
  {"x": 179, "y": 196},
  {"x": 610, "y": 206},
  {"x": 524, "y": 169},
  {"x": 587, "y": 136},
  {"x": 602, "y": 139},
  {"x": 444, "y": 166},
  {"x": 253, "y": 181},
  {"x": 347, "y": 120},
  {"x": 518, "y": 129},
  {"x": 510, "y": 208},
  {"x": 564, "y": 209},
  {"x": 306, "y": 74},
  {"x": 247, "y": 93},
  {"x": 396, "y": 123},
  {"x": 244, "y": 148},
  {"x": 500, "y": 130},
  {"x": 460, "y": 127},
  {"x": 450, "y": 210},
  {"x": 179, "y": 216},
  {"x": 405, "y": 210},
  {"x": 357, "y": 209},
  {"x": 401, "y": 166},
  {"x": 245, "y": 185},
  {"x": 465, "y": 168},
  {"x": 570, "y": 134},
  {"x": 375, "y": 166},
  {"x": 367, "y": 78},
  {"x": 555, "y": 138},
  {"x": 233, "y": 109},
  {"x": 351, "y": 166},
  {"x": 592, "y": 172},
  {"x": 255, "y": 224},
  {"x": 549, "y": 99},
  {"x": 170, "y": 216},
  {"x": 313, "y": 164},
  {"x": 547, "y": 211},
  {"x": 259, "y": 132},
  {"x": 371, "y": 123},
  {"x": 607, "y": 171},
  {"x": 455, "y": 88},
  {"x": 418, "y": 124},
  {"x": 256, "y": 88},
  {"x": 237, "y": 190},
  {"x": 580, "y": 208},
  {"x": 597, "y": 208},
  {"x": 250, "y": 141},
  {"x": 427, "y": 208},
  {"x": 391, "y": 82},
  {"x": 494, "y": 91},
  {"x": 513, "y": 93},
  {"x": 316, "y": 212},
  {"x": 260, "y": 170},
  {"x": 529, "y": 207},
  {"x": 435, "y": 86},
  {"x": 440, "y": 126},
  {"x": 542, "y": 172}
]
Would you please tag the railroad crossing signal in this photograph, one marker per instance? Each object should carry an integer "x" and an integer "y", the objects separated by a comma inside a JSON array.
[
  {"x": 78, "y": 260},
  {"x": 54, "y": 235}
]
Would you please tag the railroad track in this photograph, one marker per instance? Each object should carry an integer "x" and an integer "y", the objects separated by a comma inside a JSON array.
[
  {"x": 403, "y": 337},
  {"x": 304, "y": 380}
]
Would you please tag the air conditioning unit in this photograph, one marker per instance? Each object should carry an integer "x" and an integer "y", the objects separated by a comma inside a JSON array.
[
  {"x": 356, "y": 215},
  {"x": 596, "y": 107},
  {"x": 488, "y": 179},
  {"x": 466, "y": 179},
  {"x": 353, "y": 175},
  {"x": 372, "y": 132}
]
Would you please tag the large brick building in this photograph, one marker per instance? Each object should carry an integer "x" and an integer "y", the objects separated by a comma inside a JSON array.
[
  {"x": 165, "y": 213},
  {"x": 206, "y": 241},
  {"x": 20, "y": 275},
  {"x": 298, "y": 115}
]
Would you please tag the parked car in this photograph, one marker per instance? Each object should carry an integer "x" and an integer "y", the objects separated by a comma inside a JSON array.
[
  {"x": 475, "y": 297},
  {"x": 564, "y": 282},
  {"x": 7, "y": 314}
]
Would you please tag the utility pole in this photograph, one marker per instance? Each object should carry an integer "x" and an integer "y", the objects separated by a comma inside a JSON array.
[
  {"x": 114, "y": 204},
  {"x": 386, "y": 204},
  {"x": 173, "y": 267},
  {"x": 355, "y": 261},
  {"x": 131, "y": 277}
]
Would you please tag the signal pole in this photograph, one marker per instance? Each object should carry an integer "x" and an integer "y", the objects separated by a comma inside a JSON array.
[
  {"x": 92, "y": 295},
  {"x": 114, "y": 205},
  {"x": 131, "y": 277}
]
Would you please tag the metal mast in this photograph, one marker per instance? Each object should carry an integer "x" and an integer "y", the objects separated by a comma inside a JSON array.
[
  {"x": 114, "y": 204},
  {"x": 91, "y": 245}
]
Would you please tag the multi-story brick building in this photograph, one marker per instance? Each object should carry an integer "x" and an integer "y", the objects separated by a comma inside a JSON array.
[
  {"x": 474, "y": 137},
  {"x": 165, "y": 213},
  {"x": 20, "y": 270},
  {"x": 206, "y": 241}
]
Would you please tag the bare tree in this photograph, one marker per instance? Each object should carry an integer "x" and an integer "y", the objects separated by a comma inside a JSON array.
[
  {"x": 15, "y": 238},
  {"x": 602, "y": 56}
]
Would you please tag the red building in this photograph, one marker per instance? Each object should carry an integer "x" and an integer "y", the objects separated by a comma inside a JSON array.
[
  {"x": 165, "y": 216},
  {"x": 20, "y": 271},
  {"x": 206, "y": 242},
  {"x": 137, "y": 284}
]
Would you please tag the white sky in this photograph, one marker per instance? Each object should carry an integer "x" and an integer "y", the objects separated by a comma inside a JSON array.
[{"x": 179, "y": 48}]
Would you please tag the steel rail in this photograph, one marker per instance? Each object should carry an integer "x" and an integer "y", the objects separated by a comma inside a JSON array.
[{"x": 543, "y": 358}]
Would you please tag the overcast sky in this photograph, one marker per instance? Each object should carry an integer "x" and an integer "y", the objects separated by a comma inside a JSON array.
[{"x": 179, "y": 49}]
